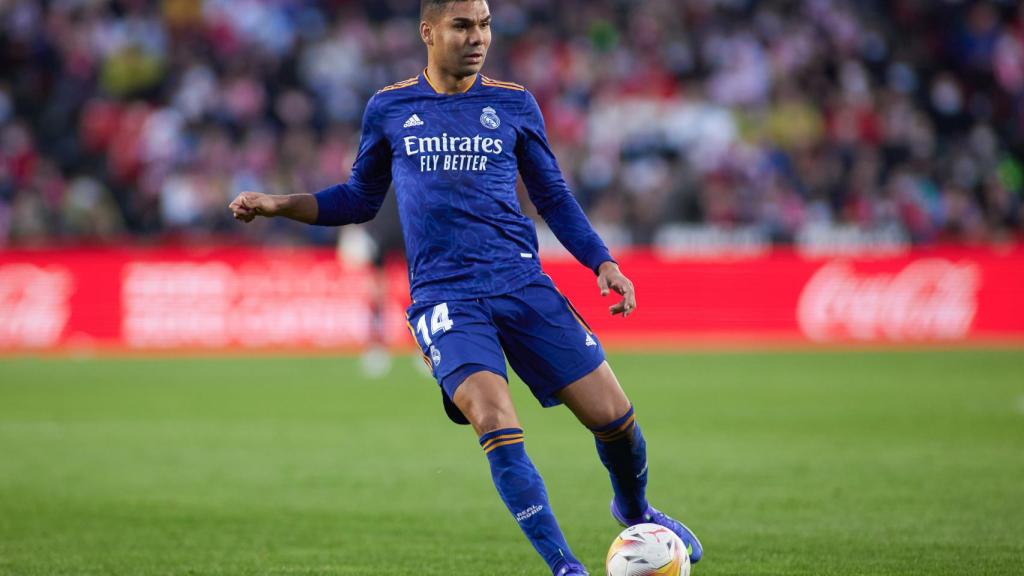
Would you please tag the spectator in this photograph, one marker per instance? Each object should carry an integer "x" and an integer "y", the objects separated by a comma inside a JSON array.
[{"x": 146, "y": 118}]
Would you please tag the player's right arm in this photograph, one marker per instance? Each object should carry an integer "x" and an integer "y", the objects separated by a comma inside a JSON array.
[
  {"x": 248, "y": 205},
  {"x": 355, "y": 201}
]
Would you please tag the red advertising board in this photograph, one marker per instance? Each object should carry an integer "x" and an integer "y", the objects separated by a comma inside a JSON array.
[{"x": 305, "y": 299}]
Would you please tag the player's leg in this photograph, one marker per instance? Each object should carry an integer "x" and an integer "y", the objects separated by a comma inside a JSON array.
[
  {"x": 596, "y": 399},
  {"x": 376, "y": 360},
  {"x": 601, "y": 405},
  {"x": 484, "y": 399},
  {"x": 460, "y": 342},
  {"x": 554, "y": 351}
]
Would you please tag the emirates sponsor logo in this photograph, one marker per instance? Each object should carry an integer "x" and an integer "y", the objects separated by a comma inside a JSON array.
[
  {"x": 929, "y": 299},
  {"x": 446, "y": 153}
]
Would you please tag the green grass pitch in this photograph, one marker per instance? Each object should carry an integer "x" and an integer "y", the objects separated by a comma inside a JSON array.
[{"x": 816, "y": 463}]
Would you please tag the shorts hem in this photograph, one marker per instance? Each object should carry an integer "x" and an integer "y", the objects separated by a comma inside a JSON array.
[
  {"x": 551, "y": 399},
  {"x": 465, "y": 371}
]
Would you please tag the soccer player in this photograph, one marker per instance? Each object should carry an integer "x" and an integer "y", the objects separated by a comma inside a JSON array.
[{"x": 452, "y": 140}]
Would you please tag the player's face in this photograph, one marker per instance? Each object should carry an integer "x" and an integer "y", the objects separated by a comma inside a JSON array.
[{"x": 461, "y": 35}]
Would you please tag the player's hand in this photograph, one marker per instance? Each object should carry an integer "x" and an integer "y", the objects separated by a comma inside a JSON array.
[
  {"x": 610, "y": 278},
  {"x": 249, "y": 205}
]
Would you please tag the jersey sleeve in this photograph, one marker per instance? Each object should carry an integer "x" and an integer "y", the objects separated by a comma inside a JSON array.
[
  {"x": 359, "y": 199},
  {"x": 550, "y": 194}
]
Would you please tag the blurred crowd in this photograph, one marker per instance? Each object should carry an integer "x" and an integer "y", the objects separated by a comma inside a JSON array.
[{"x": 140, "y": 120}]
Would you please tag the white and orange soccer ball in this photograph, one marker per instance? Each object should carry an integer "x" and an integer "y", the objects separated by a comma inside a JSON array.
[{"x": 647, "y": 550}]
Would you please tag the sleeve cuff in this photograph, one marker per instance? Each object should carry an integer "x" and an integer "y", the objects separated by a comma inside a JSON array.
[
  {"x": 327, "y": 206},
  {"x": 600, "y": 258}
]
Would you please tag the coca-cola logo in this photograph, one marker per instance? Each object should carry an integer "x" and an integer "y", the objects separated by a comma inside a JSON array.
[
  {"x": 929, "y": 299},
  {"x": 34, "y": 305}
]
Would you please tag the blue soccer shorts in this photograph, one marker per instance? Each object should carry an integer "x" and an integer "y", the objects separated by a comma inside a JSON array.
[{"x": 547, "y": 342}]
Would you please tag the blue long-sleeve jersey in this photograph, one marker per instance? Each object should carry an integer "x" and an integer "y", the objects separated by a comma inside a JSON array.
[{"x": 453, "y": 159}]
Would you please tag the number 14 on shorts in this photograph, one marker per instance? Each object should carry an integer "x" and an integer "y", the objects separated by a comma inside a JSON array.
[{"x": 439, "y": 322}]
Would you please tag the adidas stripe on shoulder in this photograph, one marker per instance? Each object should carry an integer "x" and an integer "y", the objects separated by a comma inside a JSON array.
[
  {"x": 500, "y": 84},
  {"x": 403, "y": 84}
]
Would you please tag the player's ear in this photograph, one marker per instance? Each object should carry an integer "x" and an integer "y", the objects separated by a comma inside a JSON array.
[{"x": 427, "y": 33}]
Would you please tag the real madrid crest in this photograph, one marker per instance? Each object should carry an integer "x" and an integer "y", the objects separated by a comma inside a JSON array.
[{"x": 490, "y": 119}]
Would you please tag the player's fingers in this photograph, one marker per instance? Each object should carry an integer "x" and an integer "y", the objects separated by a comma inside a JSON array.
[
  {"x": 618, "y": 308},
  {"x": 624, "y": 307},
  {"x": 629, "y": 297},
  {"x": 602, "y": 284},
  {"x": 620, "y": 284},
  {"x": 627, "y": 305}
]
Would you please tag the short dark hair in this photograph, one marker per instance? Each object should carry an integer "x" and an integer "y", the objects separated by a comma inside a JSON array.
[{"x": 428, "y": 7}]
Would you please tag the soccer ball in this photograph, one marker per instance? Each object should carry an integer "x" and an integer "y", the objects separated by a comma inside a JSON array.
[{"x": 647, "y": 550}]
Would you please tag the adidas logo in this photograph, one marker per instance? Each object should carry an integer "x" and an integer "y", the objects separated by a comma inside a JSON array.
[
  {"x": 590, "y": 341},
  {"x": 413, "y": 120}
]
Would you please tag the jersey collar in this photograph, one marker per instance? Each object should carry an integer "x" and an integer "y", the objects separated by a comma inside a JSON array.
[{"x": 430, "y": 85}]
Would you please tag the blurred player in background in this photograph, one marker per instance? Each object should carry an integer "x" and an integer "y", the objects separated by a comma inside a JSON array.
[
  {"x": 453, "y": 140},
  {"x": 379, "y": 245}
]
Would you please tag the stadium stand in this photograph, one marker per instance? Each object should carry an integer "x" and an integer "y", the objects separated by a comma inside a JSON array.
[{"x": 801, "y": 122}]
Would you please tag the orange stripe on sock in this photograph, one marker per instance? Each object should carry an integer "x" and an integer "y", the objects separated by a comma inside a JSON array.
[
  {"x": 491, "y": 441},
  {"x": 505, "y": 443},
  {"x": 618, "y": 436},
  {"x": 620, "y": 431}
]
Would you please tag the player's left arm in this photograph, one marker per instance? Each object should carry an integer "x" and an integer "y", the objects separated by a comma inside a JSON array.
[{"x": 559, "y": 208}]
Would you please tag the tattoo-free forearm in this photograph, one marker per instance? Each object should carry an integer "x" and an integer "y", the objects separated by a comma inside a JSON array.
[
  {"x": 570, "y": 225},
  {"x": 301, "y": 207}
]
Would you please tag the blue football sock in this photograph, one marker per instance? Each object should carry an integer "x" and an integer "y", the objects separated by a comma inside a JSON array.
[
  {"x": 522, "y": 489},
  {"x": 623, "y": 452}
]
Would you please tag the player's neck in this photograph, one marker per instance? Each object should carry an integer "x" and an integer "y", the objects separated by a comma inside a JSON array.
[{"x": 447, "y": 83}]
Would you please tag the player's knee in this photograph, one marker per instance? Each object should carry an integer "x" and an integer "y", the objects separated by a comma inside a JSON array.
[
  {"x": 608, "y": 414},
  {"x": 490, "y": 413},
  {"x": 608, "y": 409},
  {"x": 489, "y": 416},
  {"x": 600, "y": 410},
  {"x": 484, "y": 399}
]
